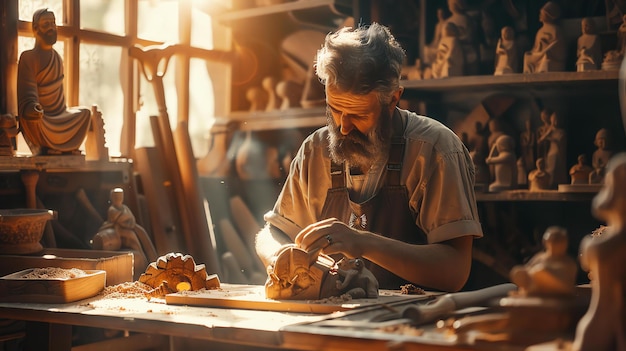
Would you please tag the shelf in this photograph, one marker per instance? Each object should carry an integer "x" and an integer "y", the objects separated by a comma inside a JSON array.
[
  {"x": 525, "y": 195},
  {"x": 272, "y": 120},
  {"x": 316, "y": 11},
  {"x": 511, "y": 82}
]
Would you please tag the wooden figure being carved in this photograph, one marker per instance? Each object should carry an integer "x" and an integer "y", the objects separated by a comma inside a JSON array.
[
  {"x": 48, "y": 125},
  {"x": 603, "y": 327},
  {"x": 358, "y": 281}
]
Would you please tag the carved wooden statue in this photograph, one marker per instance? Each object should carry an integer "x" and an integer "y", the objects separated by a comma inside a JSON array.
[
  {"x": 468, "y": 35},
  {"x": 8, "y": 130},
  {"x": 589, "y": 51},
  {"x": 600, "y": 156},
  {"x": 579, "y": 173},
  {"x": 550, "y": 49},
  {"x": 48, "y": 125},
  {"x": 502, "y": 157},
  {"x": 507, "y": 60},
  {"x": 450, "y": 60},
  {"x": 430, "y": 50},
  {"x": 555, "y": 157},
  {"x": 528, "y": 141},
  {"x": 603, "y": 327},
  {"x": 539, "y": 179},
  {"x": 549, "y": 273}
]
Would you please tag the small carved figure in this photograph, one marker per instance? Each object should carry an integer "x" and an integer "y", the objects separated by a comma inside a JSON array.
[
  {"x": 539, "y": 179},
  {"x": 358, "y": 281},
  {"x": 528, "y": 141},
  {"x": 603, "y": 327},
  {"x": 467, "y": 35},
  {"x": 522, "y": 173},
  {"x": 502, "y": 156},
  {"x": 579, "y": 173},
  {"x": 600, "y": 156},
  {"x": 269, "y": 85},
  {"x": 506, "y": 53},
  {"x": 449, "y": 61},
  {"x": 257, "y": 98},
  {"x": 544, "y": 145},
  {"x": 430, "y": 50},
  {"x": 8, "y": 130},
  {"x": 121, "y": 231},
  {"x": 48, "y": 126},
  {"x": 549, "y": 51},
  {"x": 549, "y": 273},
  {"x": 555, "y": 158},
  {"x": 289, "y": 92},
  {"x": 589, "y": 51}
]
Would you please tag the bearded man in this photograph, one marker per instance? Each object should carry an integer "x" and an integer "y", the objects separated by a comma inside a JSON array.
[
  {"x": 46, "y": 123},
  {"x": 377, "y": 182}
]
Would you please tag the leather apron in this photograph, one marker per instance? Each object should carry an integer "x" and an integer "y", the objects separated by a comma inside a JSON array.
[{"x": 387, "y": 213}]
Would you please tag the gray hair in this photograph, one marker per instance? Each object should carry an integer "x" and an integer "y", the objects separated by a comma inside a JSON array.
[{"x": 361, "y": 60}]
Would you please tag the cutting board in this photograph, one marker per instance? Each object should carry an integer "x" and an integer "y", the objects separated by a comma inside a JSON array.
[{"x": 252, "y": 297}]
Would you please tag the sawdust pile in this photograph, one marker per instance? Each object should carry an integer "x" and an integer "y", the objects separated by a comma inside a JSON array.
[
  {"x": 126, "y": 290},
  {"x": 54, "y": 273}
]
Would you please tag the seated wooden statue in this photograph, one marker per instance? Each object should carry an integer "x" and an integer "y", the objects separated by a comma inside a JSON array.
[
  {"x": 550, "y": 49},
  {"x": 47, "y": 124}
]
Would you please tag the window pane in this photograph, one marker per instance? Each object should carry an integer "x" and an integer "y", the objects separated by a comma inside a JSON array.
[
  {"x": 28, "y": 7},
  {"x": 201, "y": 105},
  {"x": 201, "y": 33},
  {"x": 158, "y": 20},
  {"x": 100, "y": 85},
  {"x": 103, "y": 15}
]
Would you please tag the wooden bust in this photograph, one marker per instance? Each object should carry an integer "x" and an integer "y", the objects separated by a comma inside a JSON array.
[
  {"x": 549, "y": 51},
  {"x": 579, "y": 173},
  {"x": 539, "y": 179},
  {"x": 603, "y": 327}
]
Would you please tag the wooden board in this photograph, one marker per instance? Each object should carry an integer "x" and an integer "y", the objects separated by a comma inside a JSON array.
[{"x": 253, "y": 297}]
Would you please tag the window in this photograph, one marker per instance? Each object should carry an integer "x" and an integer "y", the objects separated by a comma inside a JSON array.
[{"x": 98, "y": 70}]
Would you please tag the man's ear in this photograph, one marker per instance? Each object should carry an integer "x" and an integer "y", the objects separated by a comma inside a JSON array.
[{"x": 395, "y": 98}]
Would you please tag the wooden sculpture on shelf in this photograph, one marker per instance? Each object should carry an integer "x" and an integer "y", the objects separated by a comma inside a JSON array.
[
  {"x": 555, "y": 156},
  {"x": 549, "y": 273},
  {"x": 467, "y": 35},
  {"x": 430, "y": 50},
  {"x": 449, "y": 61},
  {"x": 47, "y": 124},
  {"x": 539, "y": 179},
  {"x": 507, "y": 60},
  {"x": 269, "y": 85},
  {"x": 589, "y": 51},
  {"x": 603, "y": 327},
  {"x": 550, "y": 50},
  {"x": 579, "y": 173},
  {"x": 502, "y": 157},
  {"x": 600, "y": 156}
]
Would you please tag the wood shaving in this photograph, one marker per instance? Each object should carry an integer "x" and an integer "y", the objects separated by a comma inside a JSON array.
[
  {"x": 128, "y": 290},
  {"x": 54, "y": 273},
  {"x": 410, "y": 289},
  {"x": 333, "y": 299}
]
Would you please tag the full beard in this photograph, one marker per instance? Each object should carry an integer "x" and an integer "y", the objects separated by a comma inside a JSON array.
[
  {"x": 49, "y": 37},
  {"x": 358, "y": 149}
]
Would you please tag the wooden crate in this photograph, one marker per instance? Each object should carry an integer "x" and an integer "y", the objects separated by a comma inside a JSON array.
[{"x": 117, "y": 264}]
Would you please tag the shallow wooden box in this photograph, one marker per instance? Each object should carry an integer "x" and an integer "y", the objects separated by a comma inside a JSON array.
[
  {"x": 15, "y": 288},
  {"x": 117, "y": 264}
]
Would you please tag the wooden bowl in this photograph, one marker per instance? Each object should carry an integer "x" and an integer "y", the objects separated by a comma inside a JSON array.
[{"x": 21, "y": 230}]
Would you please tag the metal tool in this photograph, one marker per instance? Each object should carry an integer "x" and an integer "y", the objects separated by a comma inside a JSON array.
[{"x": 425, "y": 313}]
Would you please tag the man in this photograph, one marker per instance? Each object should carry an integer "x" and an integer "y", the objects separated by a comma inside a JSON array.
[
  {"x": 377, "y": 182},
  {"x": 48, "y": 126}
]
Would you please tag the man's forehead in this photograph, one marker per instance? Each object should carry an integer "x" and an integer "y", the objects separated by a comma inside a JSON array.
[
  {"x": 337, "y": 98},
  {"x": 48, "y": 16}
]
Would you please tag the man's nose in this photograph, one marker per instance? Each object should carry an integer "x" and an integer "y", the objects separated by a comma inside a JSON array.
[{"x": 346, "y": 124}]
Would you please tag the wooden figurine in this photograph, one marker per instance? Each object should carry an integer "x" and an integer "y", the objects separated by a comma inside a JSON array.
[
  {"x": 603, "y": 327},
  {"x": 528, "y": 141},
  {"x": 502, "y": 157},
  {"x": 549, "y": 273},
  {"x": 589, "y": 51},
  {"x": 579, "y": 173},
  {"x": 430, "y": 50},
  {"x": 47, "y": 124},
  {"x": 121, "y": 231},
  {"x": 289, "y": 93},
  {"x": 600, "y": 156},
  {"x": 450, "y": 60},
  {"x": 506, "y": 53},
  {"x": 550, "y": 50},
  {"x": 613, "y": 58},
  {"x": 269, "y": 85},
  {"x": 543, "y": 146},
  {"x": 8, "y": 130},
  {"x": 467, "y": 35},
  {"x": 538, "y": 178},
  {"x": 555, "y": 157}
]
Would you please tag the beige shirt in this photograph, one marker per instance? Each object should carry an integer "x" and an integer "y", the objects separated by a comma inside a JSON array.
[{"x": 437, "y": 172}]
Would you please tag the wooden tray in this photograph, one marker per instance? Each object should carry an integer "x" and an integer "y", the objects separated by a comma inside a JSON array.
[
  {"x": 13, "y": 288},
  {"x": 252, "y": 297}
]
